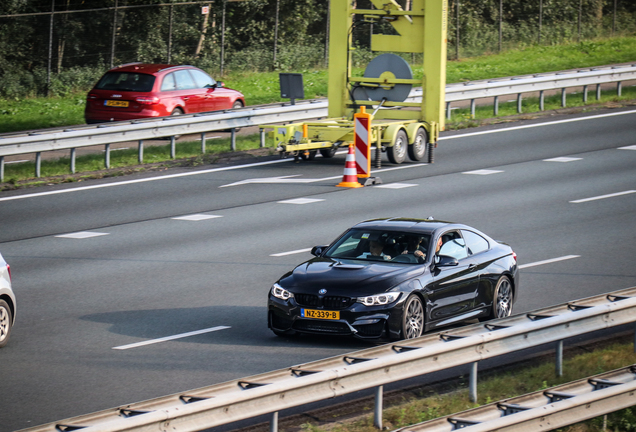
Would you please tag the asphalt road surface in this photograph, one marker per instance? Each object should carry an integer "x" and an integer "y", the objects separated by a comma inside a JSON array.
[{"x": 138, "y": 287}]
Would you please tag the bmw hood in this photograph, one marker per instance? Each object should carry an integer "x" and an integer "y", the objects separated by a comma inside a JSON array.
[{"x": 347, "y": 277}]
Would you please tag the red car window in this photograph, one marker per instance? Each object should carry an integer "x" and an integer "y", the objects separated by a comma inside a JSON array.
[
  {"x": 126, "y": 81},
  {"x": 168, "y": 83},
  {"x": 184, "y": 80}
]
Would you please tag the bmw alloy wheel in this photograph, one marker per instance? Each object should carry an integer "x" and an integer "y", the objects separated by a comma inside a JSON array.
[{"x": 413, "y": 319}]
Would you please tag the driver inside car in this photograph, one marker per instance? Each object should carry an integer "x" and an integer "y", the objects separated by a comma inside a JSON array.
[{"x": 375, "y": 252}]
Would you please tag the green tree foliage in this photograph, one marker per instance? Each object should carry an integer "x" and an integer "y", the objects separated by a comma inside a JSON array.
[{"x": 90, "y": 35}]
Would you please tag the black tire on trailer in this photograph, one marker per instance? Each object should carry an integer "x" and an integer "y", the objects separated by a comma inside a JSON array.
[
  {"x": 329, "y": 152},
  {"x": 417, "y": 150},
  {"x": 397, "y": 152}
]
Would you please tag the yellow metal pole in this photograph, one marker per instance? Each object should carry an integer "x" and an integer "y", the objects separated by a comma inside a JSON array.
[
  {"x": 434, "y": 82},
  {"x": 339, "y": 60}
]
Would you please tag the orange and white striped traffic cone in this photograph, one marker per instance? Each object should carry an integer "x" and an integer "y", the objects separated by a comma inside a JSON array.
[{"x": 350, "y": 177}]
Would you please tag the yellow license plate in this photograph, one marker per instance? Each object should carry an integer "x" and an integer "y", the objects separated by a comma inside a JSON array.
[
  {"x": 115, "y": 103},
  {"x": 320, "y": 314}
]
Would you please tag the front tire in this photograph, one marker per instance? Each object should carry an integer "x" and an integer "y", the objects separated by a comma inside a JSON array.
[
  {"x": 413, "y": 318},
  {"x": 417, "y": 150},
  {"x": 6, "y": 321},
  {"x": 397, "y": 152},
  {"x": 176, "y": 112},
  {"x": 237, "y": 104}
]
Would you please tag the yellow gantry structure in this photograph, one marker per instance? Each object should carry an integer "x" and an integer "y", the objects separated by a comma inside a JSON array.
[{"x": 421, "y": 30}]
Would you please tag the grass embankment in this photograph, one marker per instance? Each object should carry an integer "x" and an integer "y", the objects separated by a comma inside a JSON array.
[
  {"x": 37, "y": 113},
  {"x": 498, "y": 386}
]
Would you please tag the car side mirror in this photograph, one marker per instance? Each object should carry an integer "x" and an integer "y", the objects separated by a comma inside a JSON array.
[
  {"x": 447, "y": 261},
  {"x": 220, "y": 84},
  {"x": 318, "y": 250}
]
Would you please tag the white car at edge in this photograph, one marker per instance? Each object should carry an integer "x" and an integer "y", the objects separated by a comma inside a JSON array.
[{"x": 7, "y": 303}]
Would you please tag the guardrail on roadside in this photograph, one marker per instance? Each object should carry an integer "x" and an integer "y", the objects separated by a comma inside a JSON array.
[
  {"x": 74, "y": 137},
  {"x": 271, "y": 392},
  {"x": 548, "y": 409}
]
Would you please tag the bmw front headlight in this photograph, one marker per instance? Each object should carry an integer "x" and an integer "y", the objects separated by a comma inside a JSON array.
[
  {"x": 379, "y": 299},
  {"x": 281, "y": 293}
]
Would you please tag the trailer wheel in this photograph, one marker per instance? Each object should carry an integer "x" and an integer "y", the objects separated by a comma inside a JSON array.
[
  {"x": 417, "y": 150},
  {"x": 329, "y": 152},
  {"x": 397, "y": 152},
  {"x": 310, "y": 155}
]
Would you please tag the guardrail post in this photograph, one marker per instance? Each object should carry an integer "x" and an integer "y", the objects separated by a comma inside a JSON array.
[
  {"x": 202, "y": 142},
  {"x": 472, "y": 383},
  {"x": 140, "y": 151},
  {"x": 261, "y": 132},
  {"x": 585, "y": 94},
  {"x": 519, "y": 103},
  {"x": 173, "y": 147},
  {"x": 377, "y": 412},
  {"x": 619, "y": 87},
  {"x": 598, "y": 92},
  {"x": 38, "y": 163},
  {"x": 73, "y": 161},
  {"x": 472, "y": 108},
  {"x": 559, "y": 358},
  {"x": 541, "y": 100},
  {"x": 233, "y": 139},
  {"x": 107, "y": 156},
  {"x": 273, "y": 424},
  {"x": 496, "y": 106},
  {"x": 1, "y": 168},
  {"x": 448, "y": 111},
  {"x": 563, "y": 98}
]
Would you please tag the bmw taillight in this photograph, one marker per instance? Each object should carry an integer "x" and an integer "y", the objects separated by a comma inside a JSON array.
[{"x": 147, "y": 100}]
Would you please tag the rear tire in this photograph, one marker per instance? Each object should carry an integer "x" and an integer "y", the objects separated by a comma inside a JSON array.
[
  {"x": 328, "y": 152},
  {"x": 176, "y": 112},
  {"x": 413, "y": 318},
  {"x": 6, "y": 321},
  {"x": 417, "y": 150},
  {"x": 237, "y": 104},
  {"x": 397, "y": 152},
  {"x": 501, "y": 300}
]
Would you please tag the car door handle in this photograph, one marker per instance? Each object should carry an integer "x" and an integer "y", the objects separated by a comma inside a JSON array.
[{"x": 186, "y": 98}]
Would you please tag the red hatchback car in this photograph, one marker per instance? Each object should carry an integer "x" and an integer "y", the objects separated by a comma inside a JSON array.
[{"x": 136, "y": 90}]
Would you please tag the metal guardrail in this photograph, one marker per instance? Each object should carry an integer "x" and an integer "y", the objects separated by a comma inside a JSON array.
[
  {"x": 105, "y": 134},
  {"x": 324, "y": 379},
  {"x": 548, "y": 409}
]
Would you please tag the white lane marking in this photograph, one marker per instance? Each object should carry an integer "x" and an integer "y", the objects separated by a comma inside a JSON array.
[
  {"x": 600, "y": 197},
  {"x": 395, "y": 185},
  {"x": 482, "y": 172},
  {"x": 289, "y": 179},
  {"x": 513, "y": 128},
  {"x": 549, "y": 261},
  {"x": 149, "y": 179},
  {"x": 169, "y": 176},
  {"x": 562, "y": 159},
  {"x": 82, "y": 235},
  {"x": 196, "y": 217},
  {"x": 300, "y": 201},
  {"x": 168, "y": 338},
  {"x": 631, "y": 147},
  {"x": 291, "y": 252}
]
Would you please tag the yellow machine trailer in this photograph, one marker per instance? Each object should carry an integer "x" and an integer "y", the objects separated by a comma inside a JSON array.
[{"x": 400, "y": 128}]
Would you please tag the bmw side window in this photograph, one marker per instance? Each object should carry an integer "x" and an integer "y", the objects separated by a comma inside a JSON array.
[
  {"x": 168, "y": 83},
  {"x": 476, "y": 243},
  {"x": 184, "y": 80},
  {"x": 454, "y": 246},
  {"x": 202, "y": 79}
]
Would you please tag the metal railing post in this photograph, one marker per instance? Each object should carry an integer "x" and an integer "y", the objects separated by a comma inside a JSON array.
[
  {"x": 173, "y": 147},
  {"x": 496, "y": 106},
  {"x": 585, "y": 94},
  {"x": 73, "y": 160},
  {"x": 1, "y": 168},
  {"x": 519, "y": 100},
  {"x": 233, "y": 139},
  {"x": 377, "y": 412},
  {"x": 273, "y": 424},
  {"x": 448, "y": 111},
  {"x": 598, "y": 92},
  {"x": 262, "y": 137},
  {"x": 472, "y": 108},
  {"x": 202, "y": 142},
  {"x": 619, "y": 87},
  {"x": 563, "y": 98},
  {"x": 140, "y": 151},
  {"x": 38, "y": 164},
  {"x": 559, "y": 358},
  {"x": 541, "y": 100},
  {"x": 107, "y": 156},
  {"x": 472, "y": 383}
]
